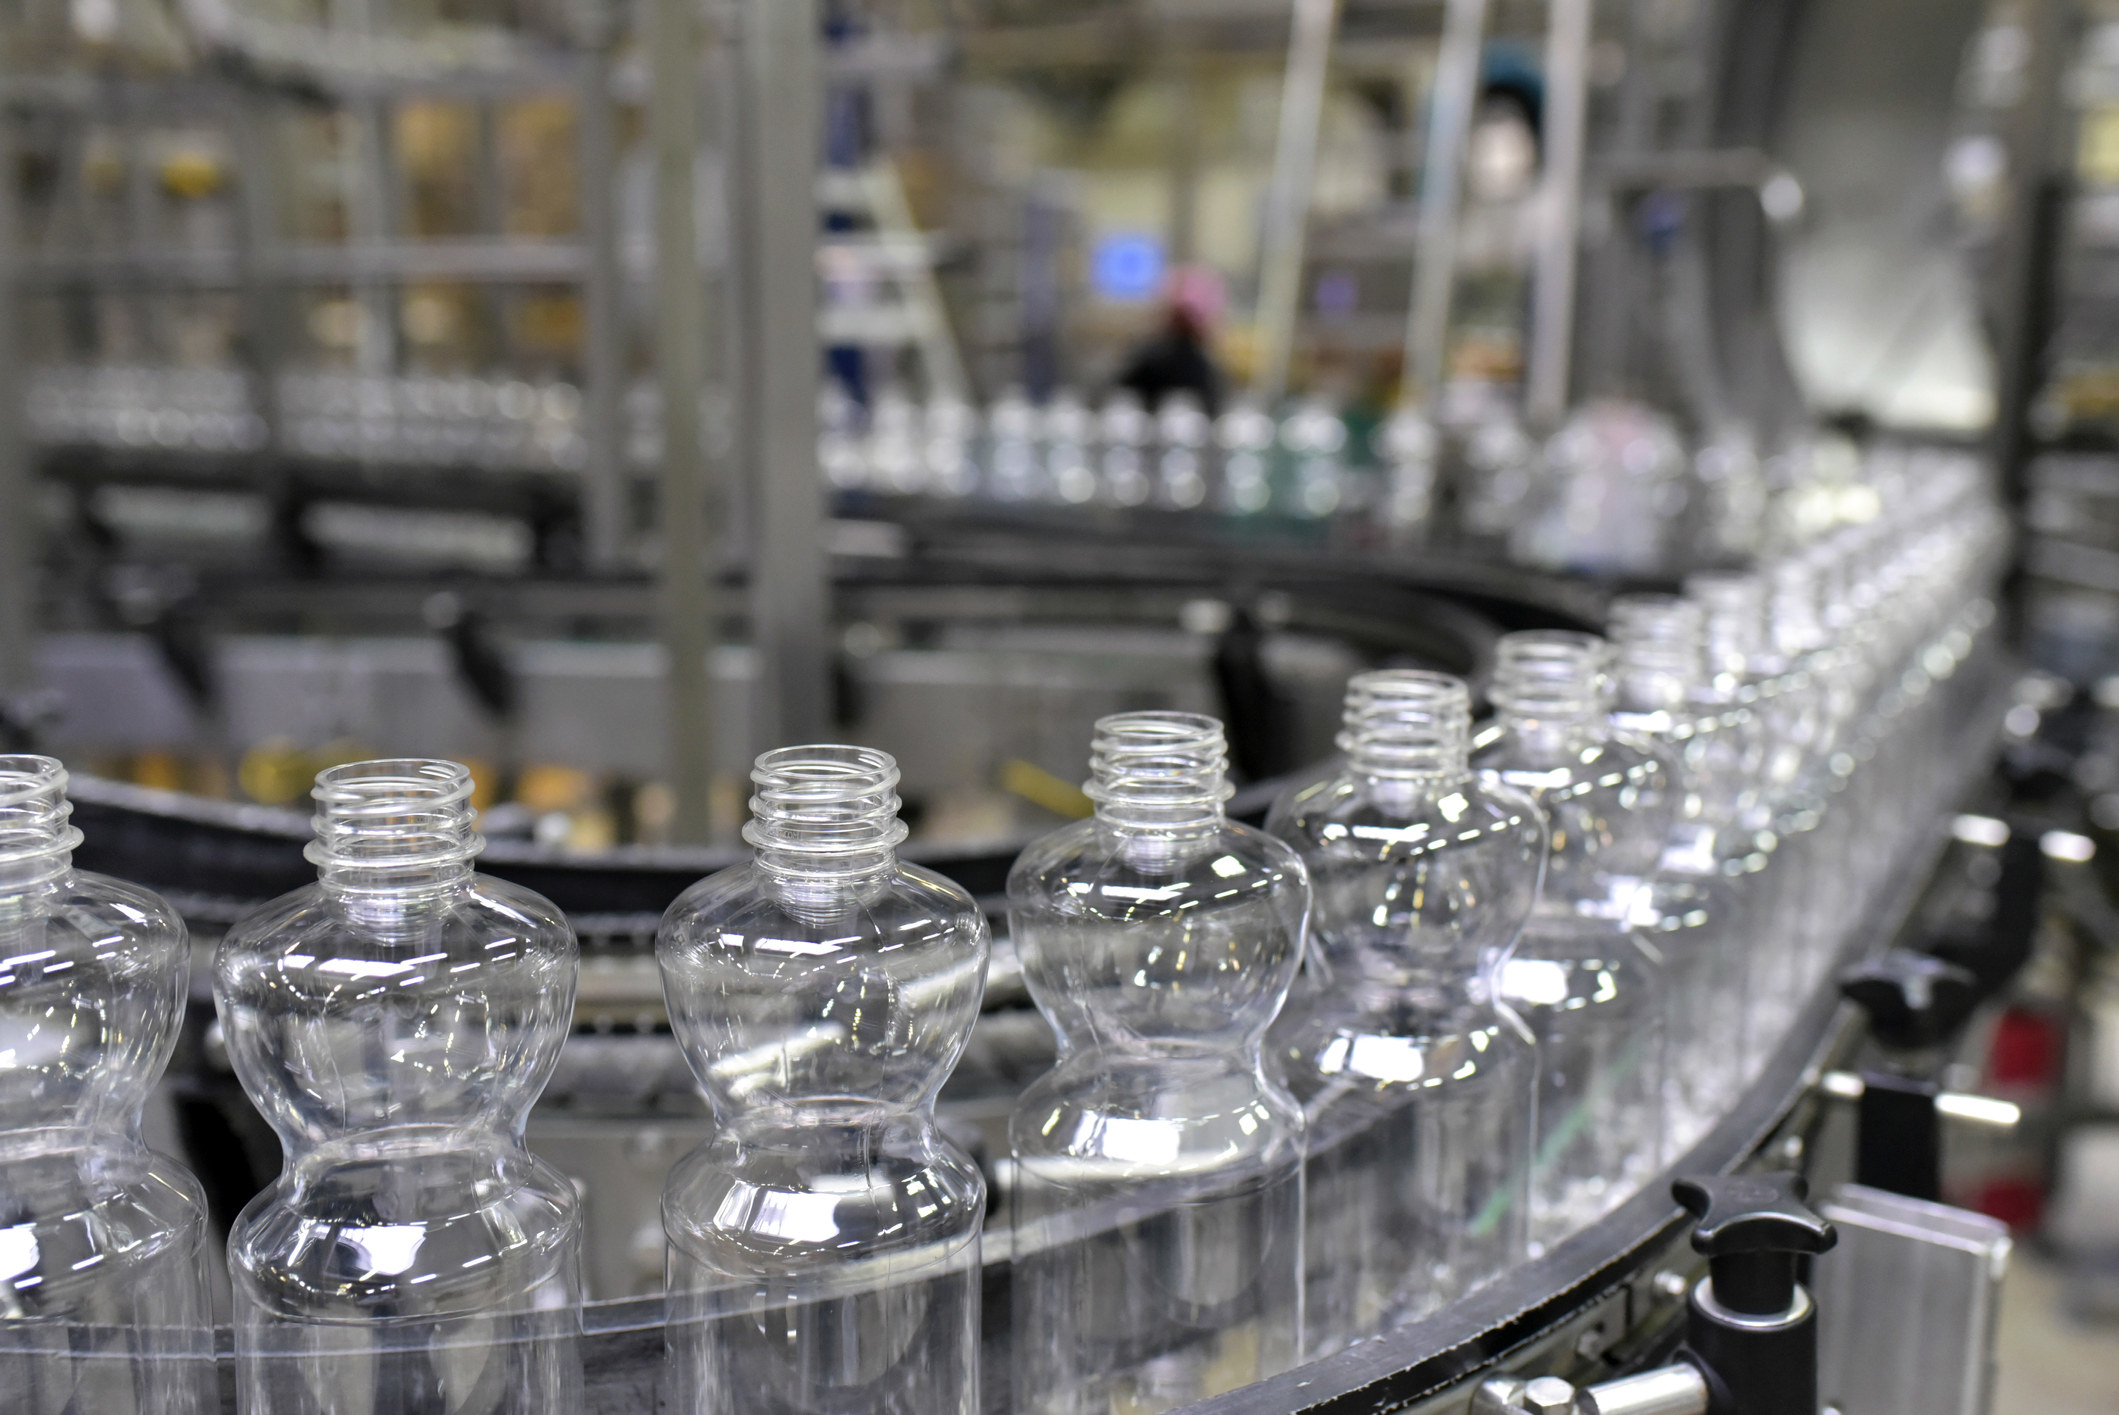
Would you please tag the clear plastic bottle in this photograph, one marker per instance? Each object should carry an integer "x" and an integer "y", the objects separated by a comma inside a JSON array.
[
  {"x": 1417, "y": 1087},
  {"x": 1778, "y": 812},
  {"x": 1245, "y": 435},
  {"x": 1158, "y": 1170},
  {"x": 103, "y": 1301},
  {"x": 1124, "y": 430},
  {"x": 824, "y": 1242},
  {"x": 1693, "y": 909},
  {"x": 1185, "y": 432},
  {"x": 1409, "y": 448},
  {"x": 1588, "y": 984},
  {"x": 394, "y": 1022}
]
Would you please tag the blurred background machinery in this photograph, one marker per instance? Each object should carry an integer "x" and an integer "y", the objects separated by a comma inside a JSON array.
[{"x": 599, "y": 393}]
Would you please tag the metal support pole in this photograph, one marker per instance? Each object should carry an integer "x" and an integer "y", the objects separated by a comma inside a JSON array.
[
  {"x": 2023, "y": 309},
  {"x": 781, "y": 94},
  {"x": 691, "y": 500},
  {"x": 1552, "y": 306},
  {"x": 19, "y": 522},
  {"x": 606, "y": 522},
  {"x": 1441, "y": 197},
  {"x": 372, "y": 205},
  {"x": 1287, "y": 215},
  {"x": 1184, "y": 156}
]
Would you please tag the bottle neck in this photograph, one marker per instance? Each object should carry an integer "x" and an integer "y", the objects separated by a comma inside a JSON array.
[
  {"x": 824, "y": 817},
  {"x": 1795, "y": 626},
  {"x": 1734, "y": 608},
  {"x": 1550, "y": 687},
  {"x": 1659, "y": 644},
  {"x": 1159, "y": 776},
  {"x": 1407, "y": 733},
  {"x": 394, "y": 828},
  {"x": 37, "y": 839}
]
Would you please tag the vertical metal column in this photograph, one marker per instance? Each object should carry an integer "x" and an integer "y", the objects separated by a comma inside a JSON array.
[
  {"x": 605, "y": 504},
  {"x": 2029, "y": 238},
  {"x": 372, "y": 205},
  {"x": 19, "y": 522},
  {"x": 1184, "y": 155},
  {"x": 781, "y": 89},
  {"x": 1552, "y": 300},
  {"x": 1287, "y": 215},
  {"x": 1449, "y": 128},
  {"x": 691, "y": 499}
]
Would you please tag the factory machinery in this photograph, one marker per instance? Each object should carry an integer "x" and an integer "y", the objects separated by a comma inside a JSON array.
[{"x": 343, "y": 348}]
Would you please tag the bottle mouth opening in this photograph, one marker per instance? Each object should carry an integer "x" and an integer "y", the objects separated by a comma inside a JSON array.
[
  {"x": 1406, "y": 722},
  {"x": 1551, "y": 671},
  {"x": 393, "y": 814},
  {"x": 1159, "y": 762},
  {"x": 34, "y": 810},
  {"x": 825, "y": 799}
]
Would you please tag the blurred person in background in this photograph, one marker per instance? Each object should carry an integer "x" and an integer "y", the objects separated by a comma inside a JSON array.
[{"x": 1178, "y": 357}]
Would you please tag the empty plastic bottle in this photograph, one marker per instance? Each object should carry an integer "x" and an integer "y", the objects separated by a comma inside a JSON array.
[
  {"x": 1588, "y": 984},
  {"x": 103, "y": 1302},
  {"x": 1418, "y": 1088},
  {"x": 1693, "y": 911},
  {"x": 394, "y": 1022},
  {"x": 1123, "y": 430},
  {"x": 1182, "y": 469},
  {"x": 1158, "y": 1171},
  {"x": 824, "y": 1242}
]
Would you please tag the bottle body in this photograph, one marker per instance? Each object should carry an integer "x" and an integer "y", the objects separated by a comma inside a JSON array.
[
  {"x": 824, "y": 1243},
  {"x": 1158, "y": 1171},
  {"x": 1691, "y": 912},
  {"x": 1590, "y": 987},
  {"x": 103, "y": 1301},
  {"x": 394, "y": 1022},
  {"x": 1416, "y": 1086}
]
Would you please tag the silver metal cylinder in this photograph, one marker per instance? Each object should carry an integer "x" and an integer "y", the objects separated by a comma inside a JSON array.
[{"x": 1669, "y": 1390}]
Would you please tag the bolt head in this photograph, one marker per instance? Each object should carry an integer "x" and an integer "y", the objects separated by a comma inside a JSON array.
[{"x": 1548, "y": 1395}]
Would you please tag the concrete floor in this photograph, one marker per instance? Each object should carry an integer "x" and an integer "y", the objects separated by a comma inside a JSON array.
[{"x": 2052, "y": 1361}]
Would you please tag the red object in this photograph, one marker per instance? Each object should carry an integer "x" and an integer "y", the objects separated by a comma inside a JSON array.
[
  {"x": 2019, "y": 1203},
  {"x": 2025, "y": 1052}
]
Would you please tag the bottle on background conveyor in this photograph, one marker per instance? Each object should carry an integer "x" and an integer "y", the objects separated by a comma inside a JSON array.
[
  {"x": 1588, "y": 983},
  {"x": 824, "y": 1241},
  {"x": 103, "y": 1301},
  {"x": 1418, "y": 1088},
  {"x": 394, "y": 1022},
  {"x": 1157, "y": 1169}
]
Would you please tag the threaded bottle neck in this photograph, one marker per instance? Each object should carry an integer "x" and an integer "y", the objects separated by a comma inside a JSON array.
[
  {"x": 1159, "y": 772},
  {"x": 1550, "y": 678},
  {"x": 36, "y": 837},
  {"x": 1659, "y": 647},
  {"x": 1406, "y": 726},
  {"x": 1734, "y": 603},
  {"x": 825, "y": 811},
  {"x": 394, "y": 825}
]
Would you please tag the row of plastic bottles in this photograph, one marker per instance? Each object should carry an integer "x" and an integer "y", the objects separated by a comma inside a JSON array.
[
  {"x": 1304, "y": 465},
  {"x": 1615, "y": 490},
  {"x": 1463, "y": 993}
]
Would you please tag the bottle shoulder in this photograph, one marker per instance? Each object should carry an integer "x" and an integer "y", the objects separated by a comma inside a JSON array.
[
  {"x": 1346, "y": 815},
  {"x": 1088, "y": 868},
  {"x": 323, "y": 924},
  {"x": 82, "y": 909},
  {"x": 748, "y": 898}
]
